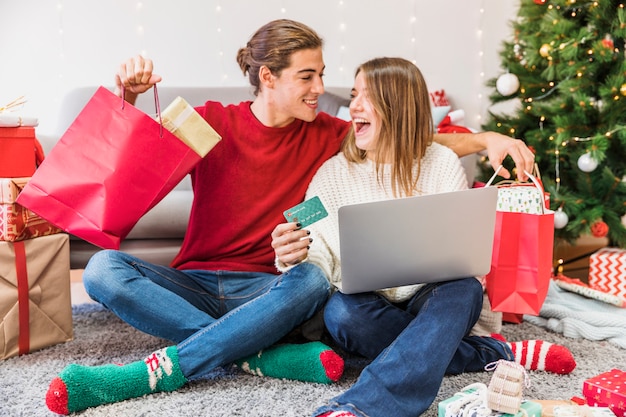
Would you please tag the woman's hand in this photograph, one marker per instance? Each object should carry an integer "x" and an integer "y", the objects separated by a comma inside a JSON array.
[
  {"x": 290, "y": 243},
  {"x": 136, "y": 76}
]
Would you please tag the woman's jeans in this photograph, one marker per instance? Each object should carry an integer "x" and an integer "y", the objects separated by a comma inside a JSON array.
[
  {"x": 215, "y": 317},
  {"x": 412, "y": 346}
]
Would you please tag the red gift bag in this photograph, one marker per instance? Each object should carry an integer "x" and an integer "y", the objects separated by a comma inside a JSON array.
[
  {"x": 521, "y": 263},
  {"x": 112, "y": 165}
]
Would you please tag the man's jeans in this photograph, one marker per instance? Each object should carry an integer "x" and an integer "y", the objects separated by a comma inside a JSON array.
[
  {"x": 412, "y": 347},
  {"x": 215, "y": 317}
]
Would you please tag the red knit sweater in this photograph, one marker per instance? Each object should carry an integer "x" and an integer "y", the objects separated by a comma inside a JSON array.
[{"x": 242, "y": 186}]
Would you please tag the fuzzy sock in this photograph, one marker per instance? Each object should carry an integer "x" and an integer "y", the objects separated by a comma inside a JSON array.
[
  {"x": 79, "y": 387},
  {"x": 308, "y": 362},
  {"x": 337, "y": 414},
  {"x": 537, "y": 355}
]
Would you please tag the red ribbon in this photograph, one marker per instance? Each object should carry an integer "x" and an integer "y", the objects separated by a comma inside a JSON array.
[{"x": 23, "y": 301}]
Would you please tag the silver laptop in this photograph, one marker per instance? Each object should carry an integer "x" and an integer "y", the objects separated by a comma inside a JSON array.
[{"x": 418, "y": 239}]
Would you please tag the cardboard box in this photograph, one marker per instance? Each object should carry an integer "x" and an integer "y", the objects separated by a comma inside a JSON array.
[
  {"x": 16, "y": 221},
  {"x": 607, "y": 271},
  {"x": 527, "y": 409},
  {"x": 607, "y": 390},
  {"x": 17, "y": 152},
  {"x": 35, "y": 305}
]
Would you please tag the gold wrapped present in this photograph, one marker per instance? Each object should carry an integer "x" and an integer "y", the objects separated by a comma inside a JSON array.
[
  {"x": 185, "y": 123},
  {"x": 35, "y": 305}
]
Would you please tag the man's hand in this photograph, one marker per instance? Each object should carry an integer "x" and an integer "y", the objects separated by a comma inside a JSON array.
[
  {"x": 136, "y": 76},
  {"x": 499, "y": 146}
]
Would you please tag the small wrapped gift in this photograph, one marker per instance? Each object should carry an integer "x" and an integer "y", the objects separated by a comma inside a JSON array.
[
  {"x": 607, "y": 271},
  {"x": 472, "y": 402},
  {"x": 35, "y": 306},
  {"x": 186, "y": 124},
  {"x": 16, "y": 221},
  {"x": 607, "y": 390},
  {"x": 18, "y": 145}
]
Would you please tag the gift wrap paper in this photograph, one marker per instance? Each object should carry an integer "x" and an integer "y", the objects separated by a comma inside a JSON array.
[
  {"x": 607, "y": 390},
  {"x": 527, "y": 408},
  {"x": 35, "y": 305},
  {"x": 17, "y": 152},
  {"x": 607, "y": 271},
  {"x": 16, "y": 221},
  {"x": 184, "y": 122}
]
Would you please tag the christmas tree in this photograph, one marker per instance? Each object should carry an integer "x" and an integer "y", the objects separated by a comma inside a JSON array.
[{"x": 565, "y": 69}]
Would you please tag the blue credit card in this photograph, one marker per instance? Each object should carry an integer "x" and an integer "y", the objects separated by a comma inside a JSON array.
[{"x": 306, "y": 213}]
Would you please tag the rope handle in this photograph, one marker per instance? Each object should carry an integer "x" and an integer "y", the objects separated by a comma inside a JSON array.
[{"x": 157, "y": 106}]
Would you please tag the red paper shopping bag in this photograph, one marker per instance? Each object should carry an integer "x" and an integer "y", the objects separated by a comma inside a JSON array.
[
  {"x": 521, "y": 263},
  {"x": 112, "y": 165}
]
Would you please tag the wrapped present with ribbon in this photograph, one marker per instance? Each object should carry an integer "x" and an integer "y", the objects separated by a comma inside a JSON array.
[
  {"x": 35, "y": 306},
  {"x": 20, "y": 152},
  {"x": 16, "y": 221},
  {"x": 471, "y": 401},
  {"x": 607, "y": 390}
]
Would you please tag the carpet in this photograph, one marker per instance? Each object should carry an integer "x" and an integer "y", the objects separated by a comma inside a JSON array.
[{"x": 100, "y": 337}]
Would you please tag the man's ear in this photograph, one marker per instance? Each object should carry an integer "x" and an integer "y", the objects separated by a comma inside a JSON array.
[{"x": 266, "y": 78}]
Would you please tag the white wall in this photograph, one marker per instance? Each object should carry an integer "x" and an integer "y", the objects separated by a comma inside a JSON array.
[{"x": 48, "y": 47}]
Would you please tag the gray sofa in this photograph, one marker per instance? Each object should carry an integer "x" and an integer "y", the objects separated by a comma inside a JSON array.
[{"x": 158, "y": 235}]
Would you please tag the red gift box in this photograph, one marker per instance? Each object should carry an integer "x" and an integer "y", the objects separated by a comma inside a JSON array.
[
  {"x": 607, "y": 390},
  {"x": 16, "y": 221},
  {"x": 17, "y": 152},
  {"x": 607, "y": 271}
]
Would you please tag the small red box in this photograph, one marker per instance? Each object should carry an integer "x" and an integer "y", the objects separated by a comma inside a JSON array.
[
  {"x": 17, "y": 152},
  {"x": 607, "y": 390}
]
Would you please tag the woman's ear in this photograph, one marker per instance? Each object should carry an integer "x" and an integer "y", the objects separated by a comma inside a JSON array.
[{"x": 266, "y": 78}]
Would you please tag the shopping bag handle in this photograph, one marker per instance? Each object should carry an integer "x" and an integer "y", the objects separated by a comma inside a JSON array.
[
  {"x": 532, "y": 178},
  {"x": 157, "y": 107}
]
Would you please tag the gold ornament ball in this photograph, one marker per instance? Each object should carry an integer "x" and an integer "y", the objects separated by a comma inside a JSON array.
[
  {"x": 545, "y": 49},
  {"x": 622, "y": 89}
]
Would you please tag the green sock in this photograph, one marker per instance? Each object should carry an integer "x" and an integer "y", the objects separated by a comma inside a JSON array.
[
  {"x": 78, "y": 387},
  {"x": 309, "y": 362}
]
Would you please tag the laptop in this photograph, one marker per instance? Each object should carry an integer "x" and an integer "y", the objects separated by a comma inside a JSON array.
[{"x": 415, "y": 240}]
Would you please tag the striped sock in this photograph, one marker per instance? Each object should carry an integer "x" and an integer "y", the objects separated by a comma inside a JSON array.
[
  {"x": 79, "y": 387},
  {"x": 537, "y": 355}
]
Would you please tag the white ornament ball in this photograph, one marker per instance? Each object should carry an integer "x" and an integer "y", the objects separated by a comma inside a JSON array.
[
  {"x": 586, "y": 163},
  {"x": 560, "y": 219},
  {"x": 507, "y": 84}
]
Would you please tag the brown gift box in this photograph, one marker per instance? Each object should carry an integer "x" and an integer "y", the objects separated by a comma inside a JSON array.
[
  {"x": 16, "y": 221},
  {"x": 35, "y": 305}
]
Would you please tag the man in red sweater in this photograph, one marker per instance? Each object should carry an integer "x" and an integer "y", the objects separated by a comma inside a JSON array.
[{"x": 222, "y": 299}]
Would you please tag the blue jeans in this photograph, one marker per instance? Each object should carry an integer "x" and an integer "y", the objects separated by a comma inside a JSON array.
[
  {"x": 412, "y": 346},
  {"x": 215, "y": 317}
]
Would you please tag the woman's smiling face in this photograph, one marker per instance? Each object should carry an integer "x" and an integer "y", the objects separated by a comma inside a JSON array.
[{"x": 365, "y": 120}]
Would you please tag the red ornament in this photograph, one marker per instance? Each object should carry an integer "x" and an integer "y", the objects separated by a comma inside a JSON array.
[
  {"x": 599, "y": 229},
  {"x": 540, "y": 1},
  {"x": 607, "y": 42}
]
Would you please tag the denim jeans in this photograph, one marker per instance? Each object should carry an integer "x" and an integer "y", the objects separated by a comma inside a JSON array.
[
  {"x": 412, "y": 346},
  {"x": 215, "y": 317}
]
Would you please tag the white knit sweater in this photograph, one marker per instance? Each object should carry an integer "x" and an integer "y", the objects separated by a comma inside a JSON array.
[{"x": 338, "y": 183}]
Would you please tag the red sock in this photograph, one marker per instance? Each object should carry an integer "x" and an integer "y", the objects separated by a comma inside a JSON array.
[
  {"x": 337, "y": 414},
  {"x": 537, "y": 355}
]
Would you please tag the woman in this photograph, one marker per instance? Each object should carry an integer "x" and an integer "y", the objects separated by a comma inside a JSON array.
[{"x": 414, "y": 334}]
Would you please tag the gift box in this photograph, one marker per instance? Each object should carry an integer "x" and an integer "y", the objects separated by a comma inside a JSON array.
[
  {"x": 607, "y": 390},
  {"x": 607, "y": 271},
  {"x": 17, "y": 152},
  {"x": 35, "y": 305},
  {"x": 455, "y": 405},
  {"x": 184, "y": 122},
  {"x": 16, "y": 221}
]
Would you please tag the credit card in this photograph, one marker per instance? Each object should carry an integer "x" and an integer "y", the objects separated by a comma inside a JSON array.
[{"x": 307, "y": 212}]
